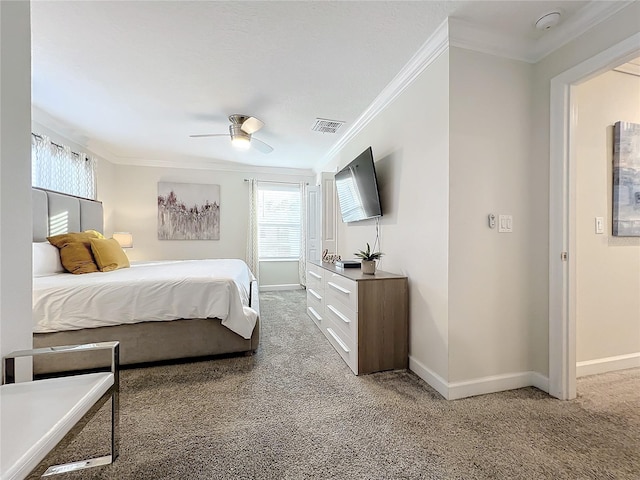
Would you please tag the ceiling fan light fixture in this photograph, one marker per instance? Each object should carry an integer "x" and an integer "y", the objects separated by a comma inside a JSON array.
[
  {"x": 241, "y": 143},
  {"x": 240, "y": 131},
  {"x": 239, "y": 139}
]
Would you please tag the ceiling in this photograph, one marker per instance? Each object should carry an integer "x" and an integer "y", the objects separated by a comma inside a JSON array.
[{"x": 130, "y": 81}]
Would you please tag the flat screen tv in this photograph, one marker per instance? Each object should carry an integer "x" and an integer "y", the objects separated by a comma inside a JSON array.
[{"x": 357, "y": 188}]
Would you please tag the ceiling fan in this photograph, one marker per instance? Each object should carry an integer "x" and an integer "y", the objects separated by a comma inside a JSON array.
[{"x": 240, "y": 131}]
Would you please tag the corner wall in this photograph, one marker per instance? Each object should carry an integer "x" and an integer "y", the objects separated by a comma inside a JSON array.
[
  {"x": 410, "y": 142},
  {"x": 491, "y": 299}
]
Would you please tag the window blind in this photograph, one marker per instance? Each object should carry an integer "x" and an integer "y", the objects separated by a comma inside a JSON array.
[{"x": 278, "y": 221}]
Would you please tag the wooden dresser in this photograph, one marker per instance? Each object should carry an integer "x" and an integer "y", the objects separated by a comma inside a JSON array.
[{"x": 364, "y": 317}]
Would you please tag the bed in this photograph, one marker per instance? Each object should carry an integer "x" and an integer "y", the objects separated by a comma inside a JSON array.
[{"x": 158, "y": 311}]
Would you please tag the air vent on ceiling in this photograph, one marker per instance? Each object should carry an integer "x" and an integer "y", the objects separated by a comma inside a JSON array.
[{"x": 326, "y": 126}]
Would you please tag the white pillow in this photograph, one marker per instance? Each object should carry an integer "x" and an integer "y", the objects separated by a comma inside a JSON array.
[{"x": 46, "y": 260}]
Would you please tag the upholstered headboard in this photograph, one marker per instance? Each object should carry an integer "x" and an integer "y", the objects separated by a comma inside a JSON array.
[{"x": 55, "y": 213}]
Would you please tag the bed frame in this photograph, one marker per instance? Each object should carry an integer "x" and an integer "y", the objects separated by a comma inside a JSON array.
[{"x": 139, "y": 342}]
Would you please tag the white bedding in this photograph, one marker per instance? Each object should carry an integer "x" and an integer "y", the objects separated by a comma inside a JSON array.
[{"x": 149, "y": 291}]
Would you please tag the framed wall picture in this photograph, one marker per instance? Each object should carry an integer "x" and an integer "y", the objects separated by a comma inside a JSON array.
[
  {"x": 626, "y": 179},
  {"x": 188, "y": 211}
]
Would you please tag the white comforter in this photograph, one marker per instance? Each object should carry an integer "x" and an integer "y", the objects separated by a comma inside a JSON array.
[{"x": 149, "y": 291}]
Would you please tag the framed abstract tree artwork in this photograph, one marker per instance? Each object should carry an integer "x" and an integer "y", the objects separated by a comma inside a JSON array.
[
  {"x": 626, "y": 179},
  {"x": 188, "y": 211}
]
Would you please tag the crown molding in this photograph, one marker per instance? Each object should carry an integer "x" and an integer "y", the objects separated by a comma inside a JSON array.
[
  {"x": 470, "y": 36},
  {"x": 198, "y": 163},
  {"x": 463, "y": 34},
  {"x": 473, "y": 37},
  {"x": 61, "y": 133},
  {"x": 584, "y": 19},
  {"x": 437, "y": 43}
]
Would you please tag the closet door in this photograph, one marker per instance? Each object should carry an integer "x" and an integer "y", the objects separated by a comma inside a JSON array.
[
  {"x": 314, "y": 211},
  {"x": 329, "y": 229}
]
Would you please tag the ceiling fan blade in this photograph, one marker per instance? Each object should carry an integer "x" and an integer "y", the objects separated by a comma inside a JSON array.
[
  {"x": 210, "y": 135},
  {"x": 252, "y": 125},
  {"x": 261, "y": 146}
]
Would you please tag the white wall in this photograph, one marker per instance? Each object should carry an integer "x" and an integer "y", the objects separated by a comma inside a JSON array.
[
  {"x": 479, "y": 299},
  {"x": 279, "y": 274},
  {"x": 491, "y": 304},
  {"x": 608, "y": 267},
  {"x": 15, "y": 181},
  {"x": 604, "y": 35},
  {"x": 134, "y": 191},
  {"x": 412, "y": 165}
]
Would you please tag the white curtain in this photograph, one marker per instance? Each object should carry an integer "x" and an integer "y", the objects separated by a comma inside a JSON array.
[
  {"x": 56, "y": 167},
  {"x": 302, "y": 262},
  {"x": 252, "y": 231}
]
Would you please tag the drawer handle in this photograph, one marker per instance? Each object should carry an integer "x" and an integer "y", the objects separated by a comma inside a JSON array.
[
  {"x": 314, "y": 274},
  {"x": 338, "y": 287},
  {"x": 314, "y": 294},
  {"x": 315, "y": 314},
  {"x": 337, "y": 339},
  {"x": 338, "y": 314}
]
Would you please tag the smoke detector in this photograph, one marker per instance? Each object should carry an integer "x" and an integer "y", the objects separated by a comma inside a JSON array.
[
  {"x": 326, "y": 126},
  {"x": 548, "y": 21}
]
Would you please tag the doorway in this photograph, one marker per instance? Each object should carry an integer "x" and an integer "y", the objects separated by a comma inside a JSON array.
[{"x": 562, "y": 214}]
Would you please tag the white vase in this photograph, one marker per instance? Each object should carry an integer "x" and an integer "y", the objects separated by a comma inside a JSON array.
[{"x": 368, "y": 267}]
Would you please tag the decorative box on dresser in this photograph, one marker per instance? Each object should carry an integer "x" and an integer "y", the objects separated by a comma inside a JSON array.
[{"x": 364, "y": 317}]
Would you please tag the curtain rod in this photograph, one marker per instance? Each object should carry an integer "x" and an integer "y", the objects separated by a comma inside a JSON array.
[
  {"x": 55, "y": 144},
  {"x": 269, "y": 181}
]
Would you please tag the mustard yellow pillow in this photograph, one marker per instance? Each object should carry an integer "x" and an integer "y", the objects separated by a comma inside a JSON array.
[
  {"x": 108, "y": 254},
  {"x": 95, "y": 232},
  {"x": 64, "y": 238},
  {"x": 75, "y": 252}
]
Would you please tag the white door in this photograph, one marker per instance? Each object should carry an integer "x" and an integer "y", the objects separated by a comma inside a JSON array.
[{"x": 314, "y": 244}]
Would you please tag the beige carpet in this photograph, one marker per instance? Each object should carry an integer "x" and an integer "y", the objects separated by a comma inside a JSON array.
[{"x": 295, "y": 411}]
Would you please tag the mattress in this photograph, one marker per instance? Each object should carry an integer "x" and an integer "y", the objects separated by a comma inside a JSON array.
[{"x": 147, "y": 291}]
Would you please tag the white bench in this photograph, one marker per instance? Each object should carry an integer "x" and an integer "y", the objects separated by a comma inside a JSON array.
[{"x": 37, "y": 416}]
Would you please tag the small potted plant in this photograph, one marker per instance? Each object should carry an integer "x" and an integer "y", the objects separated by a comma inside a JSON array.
[{"x": 368, "y": 263}]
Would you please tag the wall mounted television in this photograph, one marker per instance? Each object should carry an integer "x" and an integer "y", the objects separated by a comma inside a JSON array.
[{"x": 357, "y": 188}]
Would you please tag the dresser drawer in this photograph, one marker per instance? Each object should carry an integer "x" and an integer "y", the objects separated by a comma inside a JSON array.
[
  {"x": 344, "y": 346},
  {"x": 314, "y": 277},
  {"x": 315, "y": 305},
  {"x": 340, "y": 289},
  {"x": 344, "y": 318},
  {"x": 315, "y": 315}
]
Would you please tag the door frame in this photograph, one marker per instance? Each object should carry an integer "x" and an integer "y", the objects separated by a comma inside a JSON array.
[{"x": 562, "y": 212}]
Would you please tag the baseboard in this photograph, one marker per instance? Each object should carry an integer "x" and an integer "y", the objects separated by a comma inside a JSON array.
[
  {"x": 273, "y": 288},
  {"x": 434, "y": 380},
  {"x": 478, "y": 386},
  {"x": 497, "y": 383},
  {"x": 607, "y": 364}
]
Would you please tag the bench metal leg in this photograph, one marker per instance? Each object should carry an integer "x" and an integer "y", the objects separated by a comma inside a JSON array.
[{"x": 115, "y": 438}]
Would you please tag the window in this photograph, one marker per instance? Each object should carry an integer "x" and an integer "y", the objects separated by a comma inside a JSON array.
[
  {"x": 278, "y": 221},
  {"x": 56, "y": 167}
]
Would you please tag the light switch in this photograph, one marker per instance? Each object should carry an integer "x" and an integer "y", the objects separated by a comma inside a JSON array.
[
  {"x": 505, "y": 223},
  {"x": 599, "y": 225}
]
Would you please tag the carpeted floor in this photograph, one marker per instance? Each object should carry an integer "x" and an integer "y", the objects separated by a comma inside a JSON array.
[{"x": 294, "y": 410}]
